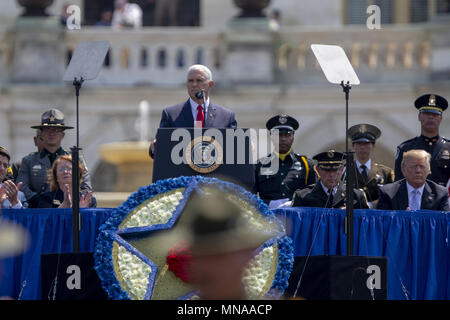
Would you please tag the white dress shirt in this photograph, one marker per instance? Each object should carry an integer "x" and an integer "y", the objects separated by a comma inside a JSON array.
[
  {"x": 333, "y": 191},
  {"x": 131, "y": 16},
  {"x": 367, "y": 164},
  {"x": 194, "y": 106},
  {"x": 410, "y": 195}
]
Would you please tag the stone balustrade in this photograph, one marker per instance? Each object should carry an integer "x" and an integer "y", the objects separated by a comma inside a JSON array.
[
  {"x": 160, "y": 56},
  {"x": 153, "y": 56}
]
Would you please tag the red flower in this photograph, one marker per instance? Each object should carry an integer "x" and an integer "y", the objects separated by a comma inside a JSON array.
[{"x": 179, "y": 260}]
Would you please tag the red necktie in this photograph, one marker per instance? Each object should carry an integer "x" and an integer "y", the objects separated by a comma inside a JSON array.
[{"x": 200, "y": 117}]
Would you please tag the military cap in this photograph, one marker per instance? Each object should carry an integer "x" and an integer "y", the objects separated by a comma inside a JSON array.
[
  {"x": 364, "y": 133},
  {"x": 282, "y": 123},
  {"x": 330, "y": 160},
  {"x": 52, "y": 118},
  {"x": 431, "y": 103},
  {"x": 5, "y": 152}
]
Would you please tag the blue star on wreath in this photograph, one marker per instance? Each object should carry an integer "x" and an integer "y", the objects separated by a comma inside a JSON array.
[{"x": 136, "y": 239}]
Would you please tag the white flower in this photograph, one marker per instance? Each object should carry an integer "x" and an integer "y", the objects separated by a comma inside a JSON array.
[
  {"x": 134, "y": 272},
  {"x": 155, "y": 212},
  {"x": 257, "y": 273}
]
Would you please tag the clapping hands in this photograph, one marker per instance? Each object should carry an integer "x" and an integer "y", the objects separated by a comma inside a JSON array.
[{"x": 9, "y": 191}]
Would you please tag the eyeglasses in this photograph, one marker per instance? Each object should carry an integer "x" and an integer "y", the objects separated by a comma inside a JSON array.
[{"x": 64, "y": 169}]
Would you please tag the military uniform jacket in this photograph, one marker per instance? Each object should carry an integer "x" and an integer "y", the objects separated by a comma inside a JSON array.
[
  {"x": 33, "y": 174},
  {"x": 438, "y": 147},
  {"x": 394, "y": 196},
  {"x": 316, "y": 197},
  {"x": 295, "y": 172},
  {"x": 378, "y": 175}
]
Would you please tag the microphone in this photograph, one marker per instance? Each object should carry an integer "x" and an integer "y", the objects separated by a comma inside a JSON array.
[{"x": 200, "y": 95}]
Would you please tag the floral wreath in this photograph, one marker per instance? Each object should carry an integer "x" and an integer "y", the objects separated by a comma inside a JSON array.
[{"x": 131, "y": 269}]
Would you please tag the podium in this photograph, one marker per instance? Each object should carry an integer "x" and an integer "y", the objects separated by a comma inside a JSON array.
[
  {"x": 338, "y": 278},
  {"x": 225, "y": 154},
  {"x": 70, "y": 276}
]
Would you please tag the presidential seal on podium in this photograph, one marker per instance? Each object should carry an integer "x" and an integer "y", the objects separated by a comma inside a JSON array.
[{"x": 204, "y": 154}]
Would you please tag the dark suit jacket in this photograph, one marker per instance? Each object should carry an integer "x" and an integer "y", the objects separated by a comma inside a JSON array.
[
  {"x": 53, "y": 199},
  {"x": 180, "y": 116},
  {"x": 394, "y": 196},
  {"x": 316, "y": 197}
]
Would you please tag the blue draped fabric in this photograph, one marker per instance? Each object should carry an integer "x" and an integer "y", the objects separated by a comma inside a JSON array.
[
  {"x": 416, "y": 245},
  {"x": 50, "y": 231}
]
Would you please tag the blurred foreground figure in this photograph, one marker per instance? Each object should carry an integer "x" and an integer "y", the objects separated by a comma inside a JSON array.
[
  {"x": 13, "y": 241},
  {"x": 222, "y": 244}
]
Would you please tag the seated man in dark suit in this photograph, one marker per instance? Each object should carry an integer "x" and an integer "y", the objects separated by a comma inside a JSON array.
[
  {"x": 198, "y": 111},
  {"x": 329, "y": 191},
  {"x": 414, "y": 192}
]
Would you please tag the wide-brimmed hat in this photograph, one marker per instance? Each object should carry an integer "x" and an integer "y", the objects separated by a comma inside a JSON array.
[
  {"x": 13, "y": 238},
  {"x": 52, "y": 118},
  {"x": 218, "y": 225}
]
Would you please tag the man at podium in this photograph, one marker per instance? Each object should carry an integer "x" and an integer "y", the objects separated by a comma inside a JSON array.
[{"x": 198, "y": 111}]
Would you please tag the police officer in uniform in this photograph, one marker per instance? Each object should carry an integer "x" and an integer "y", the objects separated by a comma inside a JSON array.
[
  {"x": 430, "y": 108},
  {"x": 33, "y": 172},
  {"x": 329, "y": 191},
  {"x": 283, "y": 171},
  {"x": 369, "y": 175}
]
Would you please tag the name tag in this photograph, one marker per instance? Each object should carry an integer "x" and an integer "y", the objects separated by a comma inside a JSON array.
[
  {"x": 266, "y": 172},
  {"x": 36, "y": 167}
]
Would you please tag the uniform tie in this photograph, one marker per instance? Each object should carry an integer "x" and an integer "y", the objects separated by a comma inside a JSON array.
[
  {"x": 200, "y": 117},
  {"x": 415, "y": 200},
  {"x": 364, "y": 172},
  {"x": 330, "y": 198}
]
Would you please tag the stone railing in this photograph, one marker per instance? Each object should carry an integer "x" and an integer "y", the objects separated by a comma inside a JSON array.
[
  {"x": 153, "y": 56},
  {"x": 160, "y": 56},
  {"x": 389, "y": 55}
]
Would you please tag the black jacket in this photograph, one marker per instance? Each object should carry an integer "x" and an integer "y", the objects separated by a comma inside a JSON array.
[{"x": 316, "y": 197}]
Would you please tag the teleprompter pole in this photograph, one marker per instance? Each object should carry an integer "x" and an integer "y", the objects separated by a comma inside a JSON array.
[
  {"x": 350, "y": 178},
  {"x": 76, "y": 218}
]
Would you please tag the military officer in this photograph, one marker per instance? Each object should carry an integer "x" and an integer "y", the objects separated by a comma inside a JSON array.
[
  {"x": 430, "y": 108},
  {"x": 369, "y": 175},
  {"x": 283, "y": 171},
  {"x": 329, "y": 191}
]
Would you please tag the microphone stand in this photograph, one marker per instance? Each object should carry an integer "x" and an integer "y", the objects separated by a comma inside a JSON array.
[{"x": 349, "y": 177}]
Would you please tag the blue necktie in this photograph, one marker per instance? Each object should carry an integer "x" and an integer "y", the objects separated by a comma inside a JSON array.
[{"x": 415, "y": 200}]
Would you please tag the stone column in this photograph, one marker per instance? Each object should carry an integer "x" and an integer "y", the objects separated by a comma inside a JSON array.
[
  {"x": 35, "y": 50},
  {"x": 248, "y": 46}
]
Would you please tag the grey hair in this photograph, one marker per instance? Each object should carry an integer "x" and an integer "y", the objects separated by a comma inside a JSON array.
[{"x": 201, "y": 68}]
